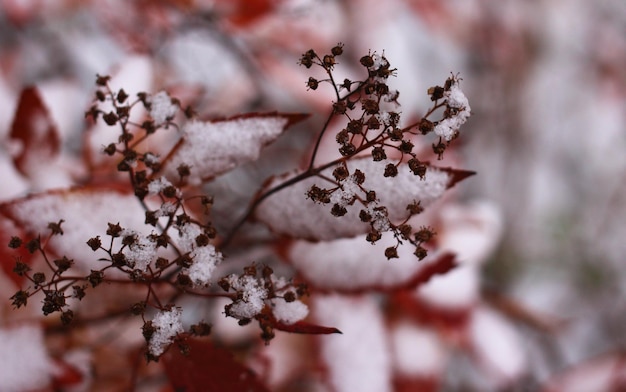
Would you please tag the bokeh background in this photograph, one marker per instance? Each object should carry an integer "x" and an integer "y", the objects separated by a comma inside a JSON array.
[{"x": 546, "y": 80}]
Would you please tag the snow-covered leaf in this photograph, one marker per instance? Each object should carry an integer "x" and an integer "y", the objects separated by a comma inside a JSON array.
[
  {"x": 350, "y": 265},
  {"x": 212, "y": 148},
  {"x": 85, "y": 213},
  {"x": 287, "y": 212}
]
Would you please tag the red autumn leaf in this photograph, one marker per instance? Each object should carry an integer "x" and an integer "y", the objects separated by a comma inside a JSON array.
[
  {"x": 305, "y": 328},
  {"x": 242, "y": 13},
  {"x": 208, "y": 369},
  {"x": 34, "y": 133}
]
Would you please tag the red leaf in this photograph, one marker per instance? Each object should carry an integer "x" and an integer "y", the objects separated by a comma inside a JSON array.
[
  {"x": 35, "y": 131},
  {"x": 305, "y": 328},
  {"x": 208, "y": 369}
]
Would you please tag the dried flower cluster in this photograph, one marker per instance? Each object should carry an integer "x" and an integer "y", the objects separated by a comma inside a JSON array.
[{"x": 376, "y": 186}]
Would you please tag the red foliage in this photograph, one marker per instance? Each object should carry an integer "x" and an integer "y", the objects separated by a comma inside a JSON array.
[
  {"x": 34, "y": 129},
  {"x": 208, "y": 369}
]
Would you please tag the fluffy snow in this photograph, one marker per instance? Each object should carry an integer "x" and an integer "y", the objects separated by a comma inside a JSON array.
[
  {"x": 25, "y": 364},
  {"x": 212, "y": 148},
  {"x": 358, "y": 359},
  {"x": 157, "y": 185},
  {"x": 168, "y": 324},
  {"x": 161, "y": 107},
  {"x": 205, "y": 259},
  {"x": 253, "y": 296},
  {"x": 289, "y": 312},
  {"x": 455, "y": 99},
  {"x": 140, "y": 253},
  {"x": 288, "y": 212}
]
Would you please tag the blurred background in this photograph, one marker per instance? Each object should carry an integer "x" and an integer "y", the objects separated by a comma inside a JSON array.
[{"x": 546, "y": 81}]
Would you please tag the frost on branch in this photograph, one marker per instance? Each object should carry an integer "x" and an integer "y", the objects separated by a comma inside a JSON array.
[{"x": 213, "y": 148}]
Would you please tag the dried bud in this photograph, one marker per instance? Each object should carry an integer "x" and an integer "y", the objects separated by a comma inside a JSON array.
[
  {"x": 250, "y": 270},
  {"x": 415, "y": 208},
  {"x": 405, "y": 230},
  {"x": 340, "y": 173},
  {"x": 95, "y": 278},
  {"x": 312, "y": 83},
  {"x": 224, "y": 284},
  {"x": 365, "y": 216},
  {"x": 110, "y": 150},
  {"x": 118, "y": 260},
  {"x": 161, "y": 263},
  {"x": 373, "y": 236},
  {"x": 63, "y": 264},
  {"x": 95, "y": 243},
  {"x": 435, "y": 93},
  {"x": 20, "y": 268},
  {"x": 121, "y": 96},
  {"x": 202, "y": 240},
  {"x": 329, "y": 61},
  {"x": 391, "y": 253},
  {"x": 340, "y": 107},
  {"x": 370, "y": 196},
  {"x": 424, "y": 234},
  {"x": 102, "y": 80},
  {"x": 370, "y": 106},
  {"x": 342, "y": 137},
  {"x": 378, "y": 154},
  {"x": 338, "y": 210},
  {"x": 418, "y": 168},
  {"x": 15, "y": 242},
  {"x": 110, "y": 118},
  {"x": 359, "y": 177},
  {"x": 337, "y": 50},
  {"x": 391, "y": 170},
  {"x": 367, "y": 61},
  {"x": 183, "y": 280},
  {"x": 33, "y": 245},
  {"x": 426, "y": 126},
  {"x": 347, "y": 149},
  {"x": 201, "y": 329},
  {"x": 420, "y": 252},
  {"x": 406, "y": 146},
  {"x": 39, "y": 278},
  {"x": 55, "y": 227},
  {"x": 79, "y": 292},
  {"x": 289, "y": 296},
  {"x": 20, "y": 299},
  {"x": 138, "y": 308},
  {"x": 184, "y": 261}
]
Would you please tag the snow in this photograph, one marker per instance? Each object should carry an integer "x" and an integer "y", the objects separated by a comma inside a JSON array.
[
  {"x": 351, "y": 263},
  {"x": 417, "y": 352},
  {"x": 168, "y": 324},
  {"x": 358, "y": 359},
  {"x": 498, "y": 345},
  {"x": 141, "y": 253},
  {"x": 252, "y": 299},
  {"x": 85, "y": 212},
  {"x": 25, "y": 362},
  {"x": 162, "y": 108},
  {"x": 288, "y": 312},
  {"x": 455, "y": 99},
  {"x": 205, "y": 259},
  {"x": 156, "y": 186},
  {"x": 213, "y": 148},
  {"x": 288, "y": 212}
]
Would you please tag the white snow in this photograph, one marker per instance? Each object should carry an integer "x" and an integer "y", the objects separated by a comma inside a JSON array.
[
  {"x": 162, "y": 108},
  {"x": 288, "y": 212},
  {"x": 253, "y": 296},
  {"x": 205, "y": 259},
  {"x": 25, "y": 364},
  {"x": 289, "y": 312},
  {"x": 358, "y": 359},
  {"x": 455, "y": 99},
  {"x": 168, "y": 324},
  {"x": 141, "y": 253},
  {"x": 417, "y": 351},
  {"x": 212, "y": 148}
]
